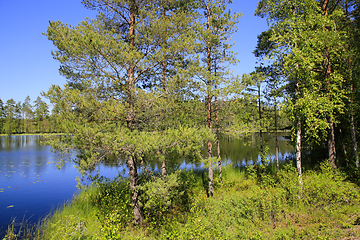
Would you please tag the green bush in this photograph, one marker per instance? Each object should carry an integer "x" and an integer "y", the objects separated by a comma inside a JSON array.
[
  {"x": 113, "y": 206},
  {"x": 161, "y": 197},
  {"x": 328, "y": 189}
]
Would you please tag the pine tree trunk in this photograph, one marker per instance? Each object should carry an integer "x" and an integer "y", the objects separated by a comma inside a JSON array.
[
  {"x": 131, "y": 162},
  {"x": 331, "y": 142},
  {"x": 133, "y": 179},
  {"x": 24, "y": 123},
  {"x": 342, "y": 143},
  {"x": 211, "y": 174},
  {"x": 352, "y": 124},
  {"x": 218, "y": 142},
  {"x": 353, "y": 137},
  {"x": 327, "y": 72},
  {"x": 217, "y": 132},
  {"x": 163, "y": 165}
]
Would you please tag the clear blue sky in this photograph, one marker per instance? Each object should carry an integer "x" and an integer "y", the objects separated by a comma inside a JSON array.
[{"x": 26, "y": 64}]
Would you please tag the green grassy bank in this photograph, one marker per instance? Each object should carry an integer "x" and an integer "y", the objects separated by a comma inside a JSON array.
[{"x": 251, "y": 203}]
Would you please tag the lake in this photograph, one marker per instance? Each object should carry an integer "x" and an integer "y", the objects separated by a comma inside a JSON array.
[{"x": 31, "y": 185}]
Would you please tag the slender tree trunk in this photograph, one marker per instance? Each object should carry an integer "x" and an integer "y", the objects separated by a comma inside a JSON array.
[
  {"x": 331, "y": 142},
  {"x": 133, "y": 179},
  {"x": 253, "y": 137},
  {"x": 211, "y": 174},
  {"x": 164, "y": 59},
  {"x": 327, "y": 72},
  {"x": 353, "y": 136},
  {"x": 163, "y": 164},
  {"x": 218, "y": 145},
  {"x": 24, "y": 126},
  {"x": 261, "y": 136},
  {"x": 352, "y": 124},
  {"x": 163, "y": 170},
  {"x": 342, "y": 143},
  {"x": 217, "y": 132},
  {"x": 276, "y": 139},
  {"x": 163, "y": 167},
  {"x": 131, "y": 161},
  {"x": 298, "y": 151}
]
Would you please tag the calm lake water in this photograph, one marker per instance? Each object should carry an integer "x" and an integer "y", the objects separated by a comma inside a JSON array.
[{"x": 31, "y": 185}]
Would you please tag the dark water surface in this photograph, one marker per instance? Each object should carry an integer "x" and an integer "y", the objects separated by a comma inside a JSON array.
[{"x": 31, "y": 185}]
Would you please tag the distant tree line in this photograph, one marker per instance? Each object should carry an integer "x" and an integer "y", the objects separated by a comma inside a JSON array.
[
  {"x": 27, "y": 117},
  {"x": 36, "y": 117}
]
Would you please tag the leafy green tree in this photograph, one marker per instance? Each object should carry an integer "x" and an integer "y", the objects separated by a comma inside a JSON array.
[
  {"x": 349, "y": 22},
  {"x": 27, "y": 114},
  {"x": 17, "y": 118},
  {"x": 309, "y": 45},
  {"x": 9, "y": 114},
  {"x": 41, "y": 113},
  {"x": 2, "y": 116},
  {"x": 109, "y": 105}
]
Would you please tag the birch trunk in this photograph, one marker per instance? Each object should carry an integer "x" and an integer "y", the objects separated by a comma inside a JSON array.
[
  {"x": 261, "y": 137},
  {"x": 298, "y": 152},
  {"x": 163, "y": 167}
]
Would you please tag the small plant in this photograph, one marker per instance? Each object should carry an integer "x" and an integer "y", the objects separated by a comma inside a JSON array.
[
  {"x": 113, "y": 207},
  {"x": 160, "y": 197}
]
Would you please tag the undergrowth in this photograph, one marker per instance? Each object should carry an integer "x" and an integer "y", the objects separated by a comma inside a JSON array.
[{"x": 252, "y": 203}]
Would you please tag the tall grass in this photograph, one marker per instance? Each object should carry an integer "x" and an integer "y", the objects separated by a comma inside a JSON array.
[{"x": 252, "y": 203}]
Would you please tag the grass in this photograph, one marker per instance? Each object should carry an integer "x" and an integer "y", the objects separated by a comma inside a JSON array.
[{"x": 251, "y": 203}]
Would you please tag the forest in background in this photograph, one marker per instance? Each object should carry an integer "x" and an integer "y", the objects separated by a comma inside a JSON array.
[
  {"x": 37, "y": 117},
  {"x": 26, "y": 118}
]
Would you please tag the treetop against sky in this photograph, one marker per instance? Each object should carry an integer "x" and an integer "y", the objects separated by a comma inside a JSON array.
[{"x": 27, "y": 67}]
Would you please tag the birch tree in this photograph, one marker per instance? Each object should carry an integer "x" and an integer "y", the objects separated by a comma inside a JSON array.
[{"x": 309, "y": 46}]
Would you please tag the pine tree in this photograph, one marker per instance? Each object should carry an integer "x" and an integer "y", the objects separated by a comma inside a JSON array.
[
  {"x": 27, "y": 113},
  {"x": 111, "y": 101},
  {"x": 216, "y": 30}
]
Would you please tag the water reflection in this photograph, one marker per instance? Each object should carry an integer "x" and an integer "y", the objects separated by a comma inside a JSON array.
[
  {"x": 16, "y": 142},
  {"x": 245, "y": 151},
  {"x": 31, "y": 183},
  {"x": 236, "y": 151}
]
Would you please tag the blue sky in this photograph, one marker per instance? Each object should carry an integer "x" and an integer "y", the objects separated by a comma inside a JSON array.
[{"x": 26, "y": 64}]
